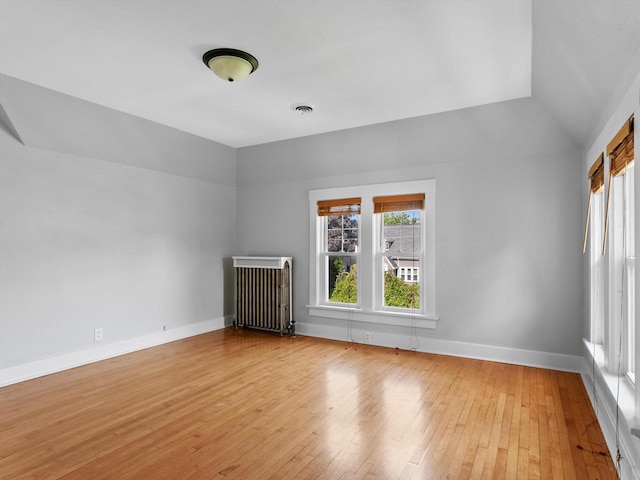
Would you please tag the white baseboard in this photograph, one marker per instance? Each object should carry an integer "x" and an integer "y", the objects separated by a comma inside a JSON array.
[
  {"x": 529, "y": 358},
  {"x": 46, "y": 366}
]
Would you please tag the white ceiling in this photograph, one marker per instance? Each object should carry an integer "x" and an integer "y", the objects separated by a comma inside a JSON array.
[
  {"x": 583, "y": 50},
  {"x": 357, "y": 62}
]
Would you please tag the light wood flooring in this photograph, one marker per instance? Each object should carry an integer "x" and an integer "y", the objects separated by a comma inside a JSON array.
[{"x": 251, "y": 405}]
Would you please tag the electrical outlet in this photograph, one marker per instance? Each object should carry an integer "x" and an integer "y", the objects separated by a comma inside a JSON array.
[
  {"x": 97, "y": 334},
  {"x": 367, "y": 337}
]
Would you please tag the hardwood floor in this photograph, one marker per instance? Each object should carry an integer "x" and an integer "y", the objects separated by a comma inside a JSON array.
[{"x": 250, "y": 405}]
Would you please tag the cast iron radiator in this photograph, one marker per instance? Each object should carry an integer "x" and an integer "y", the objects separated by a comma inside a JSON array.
[{"x": 263, "y": 293}]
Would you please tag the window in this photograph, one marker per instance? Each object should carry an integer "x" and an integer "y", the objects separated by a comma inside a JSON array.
[
  {"x": 398, "y": 223},
  {"x": 407, "y": 274},
  {"x": 373, "y": 253},
  {"x": 339, "y": 251},
  {"x": 621, "y": 346},
  {"x": 593, "y": 233}
]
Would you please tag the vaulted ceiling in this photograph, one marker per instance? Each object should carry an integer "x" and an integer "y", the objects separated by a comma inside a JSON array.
[{"x": 357, "y": 63}]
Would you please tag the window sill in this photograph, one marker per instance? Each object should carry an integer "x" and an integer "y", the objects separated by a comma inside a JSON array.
[
  {"x": 369, "y": 316},
  {"x": 626, "y": 400}
]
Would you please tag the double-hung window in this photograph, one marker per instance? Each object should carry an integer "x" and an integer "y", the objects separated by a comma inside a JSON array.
[
  {"x": 373, "y": 253},
  {"x": 593, "y": 233},
  {"x": 621, "y": 347},
  {"x": 339, "y": 220},
  {"x": 398, "y": 223}
]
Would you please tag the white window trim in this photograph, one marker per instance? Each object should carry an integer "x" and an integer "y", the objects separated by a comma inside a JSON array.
[
  {"x": 596, "y": 354},
  {"x": 366, "y": 310},
  {"x": 629, "y": 327}
]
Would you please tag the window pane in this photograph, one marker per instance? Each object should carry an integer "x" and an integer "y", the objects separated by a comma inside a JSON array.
[
  {"x": 401, "y": 286},
  {"x": 630, "y": 211},
  {"x": 342, "y": 233},
  {"x": 401, "y": 231},
  {"x": 630, "y": 271},
  {"x": 596, "y": 261},
  {"x": 631, "y": 315},
  {"x": 342, "y": 279}
]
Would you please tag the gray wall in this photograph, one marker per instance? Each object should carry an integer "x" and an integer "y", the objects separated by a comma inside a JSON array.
[
  {"x": 509, "y": 217},
  {"x": 107, "y": 220},
  {"x": 90, "y": 236}
]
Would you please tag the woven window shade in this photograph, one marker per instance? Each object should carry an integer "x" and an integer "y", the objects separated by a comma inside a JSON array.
[
  {"x": 398, "y": 203},
  {"x": 343, "y": 206},
  {"x": 596, "y": 175},
  {"x": 622, "y": 155},
  {"x": 620, "y": 152}
]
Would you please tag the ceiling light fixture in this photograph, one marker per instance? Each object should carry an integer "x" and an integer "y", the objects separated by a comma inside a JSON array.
[{"x": 230, "y": 64}]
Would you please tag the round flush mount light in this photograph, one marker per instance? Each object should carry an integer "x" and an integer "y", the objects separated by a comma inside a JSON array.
[
  {"x": 301, "y": 108},
  {"x": 230, "y": 64}
]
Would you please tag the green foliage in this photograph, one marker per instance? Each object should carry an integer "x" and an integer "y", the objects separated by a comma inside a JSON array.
[
  {"x": 345, "y": 289},
  {"x": 336, "y": 267},
  {"x": 397, "y": 293},
  {"x": 399, "y": 218}
]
